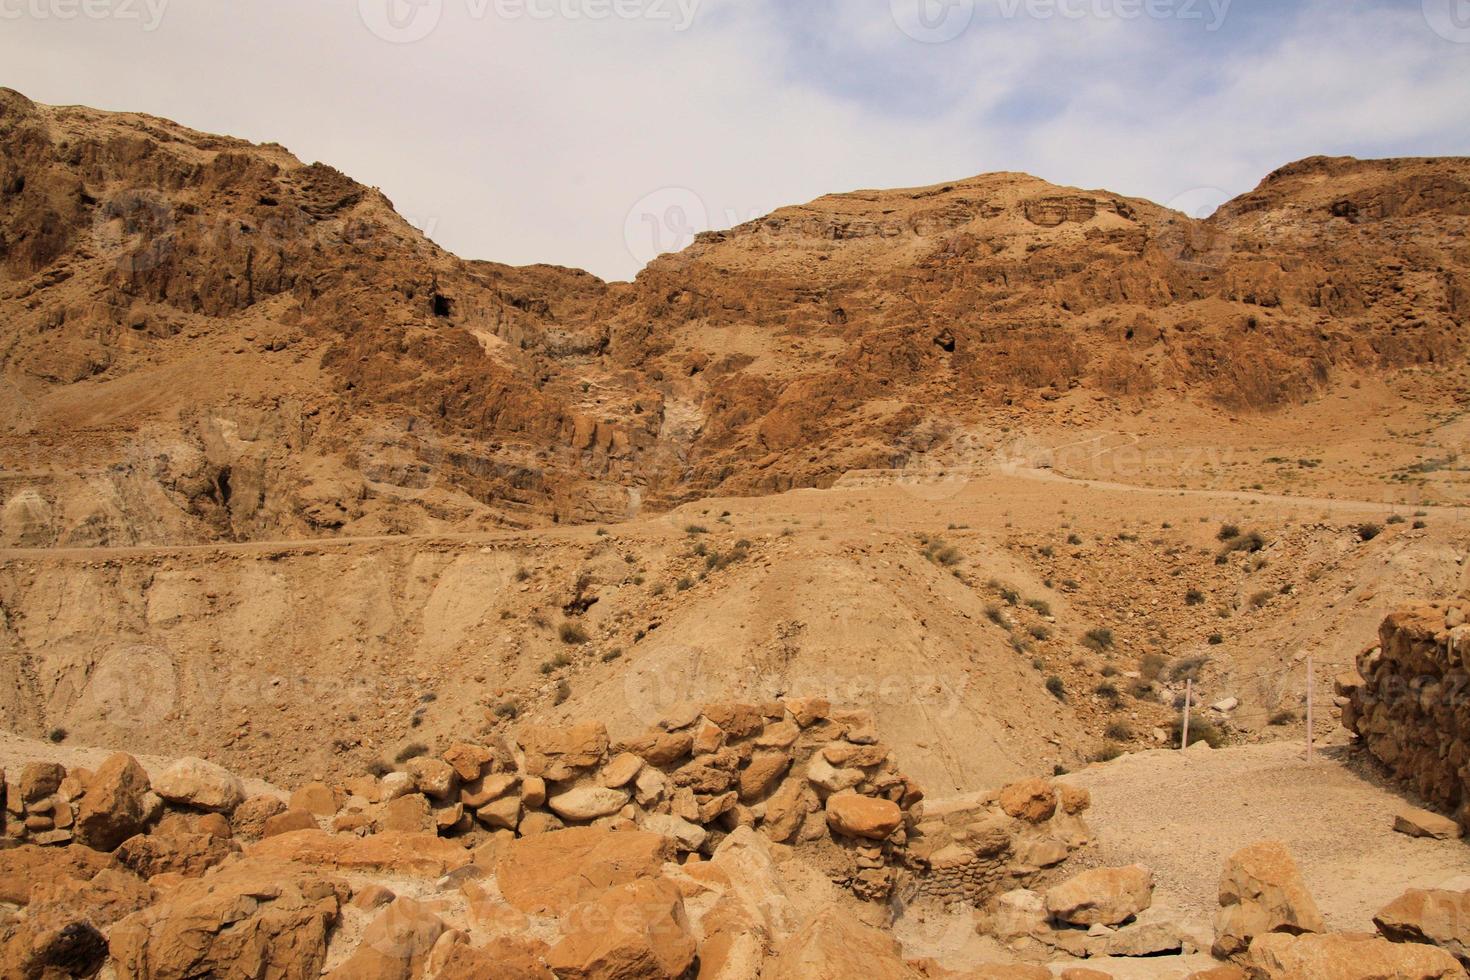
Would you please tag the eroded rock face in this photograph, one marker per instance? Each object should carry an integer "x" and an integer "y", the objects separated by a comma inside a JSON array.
[
  {"x": 634, "y": 930},
  {"x": 1280, "y": 956},
  {"x": 1262, "y": 892},
  {"x": 395, "y": 945},
  {"x": 253, "y": 919},
  {"x": 835, "y": 947},
  {"x": 550, "y": 873}
]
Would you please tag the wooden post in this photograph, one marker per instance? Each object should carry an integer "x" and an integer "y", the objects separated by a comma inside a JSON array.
[
  {"x": 1188, "y": 702},
  {"x": 1310, "y": 717}
]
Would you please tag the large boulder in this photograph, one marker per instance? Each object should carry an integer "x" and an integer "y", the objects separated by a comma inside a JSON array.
[
  {"x": 1261, "y": 892},
  {"x": 394, "y": 946},
  {"x": 1440, "y": 918},
  {"x": 114, "y": 806},
  {"x": 22, "y": 868},
  {"x": 249, "y": 919},
  {"x": 1282, "y": 956},
  {"x": 199, "y": 784},
  {"x": 550, "y": 873},
  {"x": 863, "y": 816},
  {"x": 558, "y": 752},
  {"x": 39, "y": 780},
  {"x": 188, "y": 855},
  {"x": 835, "y": 946},
  {"x": 1102, "y": 896},
  {"x": 1422, "y": 823},
  {"x": 637, "y": 930},
  {"x": 1032, "y": 800}
]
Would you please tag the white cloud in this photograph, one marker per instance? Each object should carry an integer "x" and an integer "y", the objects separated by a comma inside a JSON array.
[{"x": 528, "y": 140}]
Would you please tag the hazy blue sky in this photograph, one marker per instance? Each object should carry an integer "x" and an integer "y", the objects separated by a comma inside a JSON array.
[{"x": 594, "y": 132}]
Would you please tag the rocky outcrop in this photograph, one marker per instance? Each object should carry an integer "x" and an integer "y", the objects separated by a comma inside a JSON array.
[
  {"x": 1102, "y": 896},
  {"x": 1262, "y": 892},
  {"x": 1407, "y": 702},
  {"x": 1279, "y": 956},
  {"x": 1440, "y": 918}
]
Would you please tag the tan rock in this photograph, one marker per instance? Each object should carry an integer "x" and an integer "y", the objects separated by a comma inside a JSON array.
[
  {"x": 635, "y": 930},
  {"x": 248, "y": 820},
  {"x": 488, "y": 789},
  {"x": 393, "y": 785},
  {"x": 25, "y": 866},
  {"x": 113, "y": 808},
  {"x": 708, "y": 737},
  {"x": 186, "y": 855},
  {"x": 1033, "y": 800},
  {"x": 419, "y": 855},
  {"x": 539, "y": 823},
  {"x": 318, "y": 799},
  {"x": 371, "y": 896},
  {"x": 1440, "y": 918},
  {"x": 736, "y": 720},
  {"x": 761, "y": 776},
  {"x": 39, "y": 780},
  {"x": 469, "y": 761},
  {"x": 863, "y": 816},
  {"x": 409, "y": 814},
  {"x": 823, "y": 775},
  {"x": 432, "y": 777},
  {"x": 781, "y": 735},
  {"x": 808, "y": 711},
  {"x": 450, "y": 818},
  {"x": 558, "y": 752},
  {"x": 215, "y": 825},
  {"x": 622, "y": 770},
  {"x": 288, "y": 822},
  {"x": 395, "y": 945},
  {"x": 505, "y": 958},
  {"x": 550, "y": 873},
  {"x": 787, "y": 809},
  {"x": 501, "y": 814},
  {"x": 1422, "y": 823},
  {"x": 1074, "y": 799},
  {"x": 1262, "y": 892},
  {"x": 250, "y": 918},
  {"x": 1281, "y": 956},
  {"x": 1018, "y": 913},
  {"x": 585, "y": 803},
  {"x": 1102, "y": 896},
  {"x": 660, "y": 748},
  {"x": 201, "y": 785},
  {"x": 533, "y": 791},
  {"x": 835, "y": 946},
  {"x": 689, "y": 836}
]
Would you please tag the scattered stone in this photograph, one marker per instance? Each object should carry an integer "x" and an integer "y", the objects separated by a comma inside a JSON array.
[
  {"x": 287, "y": 822},
  {"x": 317, "y": 799},
  {"x": 638, "y": 929},
  {"x": 39, "y": 780},
  {"x": 689, "y": 836},
  {"x": 1422, "y": 823},
  {"x": 622, "y": 770},
  {"x": 114, "y": 805},
  {"x": 550, "y": 873},
  {"x": 1034, "y": 800},
  {"x": 432, "y": 777},
  {"x": 589, "y": 802},
  {"x": 249, "y": 818}
]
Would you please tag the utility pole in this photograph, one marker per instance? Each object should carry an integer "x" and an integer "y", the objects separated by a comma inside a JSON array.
[
  {"x": 1188, "y": 702},
  {"x": 1310, "y": 718}
]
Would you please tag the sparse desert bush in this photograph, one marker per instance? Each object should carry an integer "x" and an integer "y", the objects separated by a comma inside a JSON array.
[
  {"x": 1420, "y": 525},
  {"x": 1283, "y": 718},
  {"x": 378, "y": 768},
  {"x": 1397, "y": 519},
  {"x": 1099, "y": 639},
  {"x": 695, "y": 529},
  {"x": 1119, "y": 731},
  {"x": 1110, "y": 671},
  {"x": 522, "y": 574},
  {"x": 1194, "y": 597},
  {"x": 507, "y": 710},
  {"x": 56, "y": 735},
  {"x": 1216, "y": 639},
  {"x": 1251, "y": 541},
  {"x": 611, "y": 655},
  {"x": 1057, "y": 687},
  {"x": 1367, "y": 532},
  {"x": 1109, "y": 693},
  {"x": 1201, "y": 729},
  {"x": 1074, "y": 538},
  {"x": 1187, "y": 669},
  {"x": 1260, "y": 599},
  {"x": 1141, "y": 690},
  {"x": 1047, "y": 551},
  {"x": 572, "y": 634},
  {"x": 413, "y": 750},
  {"x": 995, "y": 614},
  {"x": 1041, "y": 606},
  {"x": 1151, "y": 666},
  {"x": 684, "y": 584},
  {"x": 563, "y": 690},
  {"x": 1227, "y": 532},
  {"x": 1041, "y": 632},
  {"x": 1108, "y": 752}
]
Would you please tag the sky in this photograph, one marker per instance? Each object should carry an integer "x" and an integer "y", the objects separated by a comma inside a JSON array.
[{"x": 599, "y": 133}]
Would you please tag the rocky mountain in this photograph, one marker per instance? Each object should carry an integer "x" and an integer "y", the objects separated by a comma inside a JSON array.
[{"x": 205, "y": 339}]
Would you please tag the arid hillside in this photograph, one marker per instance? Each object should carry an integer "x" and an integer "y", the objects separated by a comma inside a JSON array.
[{"x": 208, "y": 340}]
